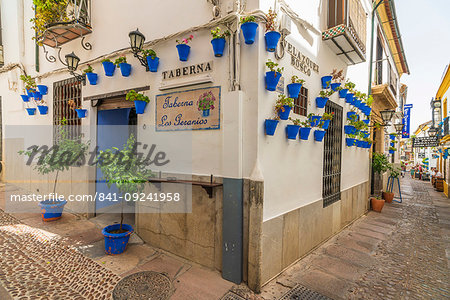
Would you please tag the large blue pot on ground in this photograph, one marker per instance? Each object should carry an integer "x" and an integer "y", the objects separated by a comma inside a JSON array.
[
  {"x": 92, "y": 77},
  {"x": 349, "y": 98},
  {"x": 292, "y": 131},
  {"x": 43, "y": 89},
  {"x": 304, "y": 133},
  {"x": 319, "y": 134},
  {"x": 284, "y": 113},
  {"x": 183, "y": 51},
  {"x": 31, "y": 111},
  {"x": 349, "y": 142},
  {"x": 125, "y": 69},
  {"x": 335, "y": 85},
  {"x": 109, "y": 68},
  {"x": 326, "y": 81},
  {"x": 326, "y": 123},
  {"x": 25, "y": 98},
  {"x": 294, "y": 90},
  {"x": 140, "y": 106},
  {"x": 218, "y": 46},
  {"x": 43, "y": 109},
  {"x": 249, "y": 31},
  {"x": 343, "y": 93},
  {"x": 51, "y": 210},
  {"x": 272, "y": 79},
  {"x": 271, "y": 126},
  {"x": 351, "y": 115},
  {"x": 153, "y": 63},
  {"x": 314, "y": 121},
  {"x": 349, "y": 129},
  {"x": 81, "y": 112},
  {"x": 272, "y": 38},
  {"x": 321, "y": 101},
  {"x": 115, "y": 243}
]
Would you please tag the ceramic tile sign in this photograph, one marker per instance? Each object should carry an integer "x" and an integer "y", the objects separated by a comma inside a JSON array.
[{"x": 197, "y": 109}]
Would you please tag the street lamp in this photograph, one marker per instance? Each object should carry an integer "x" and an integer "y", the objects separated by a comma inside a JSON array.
[
  {"x": 432, "y": 131},
  {"x": 399, "y": 127},
  {"x": 387, "y": 115},
  {"x": 436, "y": 111},
  {"x": 72, "y": 62},
  {"x": 137, "y": 40}
]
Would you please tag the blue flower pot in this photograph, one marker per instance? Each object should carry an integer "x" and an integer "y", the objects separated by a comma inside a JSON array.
[
  {"x": 357, "y": 103},
  {"x": 350, "y": 114},
  {"x": 284, "y": 115},
  {"x": 31, "y": 111},
  {"x": 326, "y": 81},
  {"x": 43, "y": 109},
  {"x": 51, "y": 210},
  {"x": 349, "y": 98},
  {"x": 30, "y": 92},
  {"x": 292, "y": 131},
  {"x": 92, "y": 77},
  {"x": 392, "y": 137},
  {"x": 294, "y": 90},
  {"x": 109, "y": 68},
  {"x": 115, "y": 243},
  {"x": 319, "y": 134},
  {"x": 314, "y": 121},
  {"x": 391, "y": 151},
  {"x": 153, "y": 63},
  {"x": 343, "y": 93},
  {"x": 140, "y": 106},
  {"x": 358, "y": 143},
  {"x": 271, "y": 126},
  {"x": 272, "y": 79},
  {"x": 321, "y": 101},
  {"x": 349, "y": 129},
  {"x": 349, "y": 142},
  {"x": 37, "y": 96},
  {"x": 249, "y": 32},
  {"x": 392, "y": 144},
  {"x": 326, "y": 123},
  {"x": 366, "y": 121},
  {"x": 43, "y": 89},
  {"x": 125, "y": 69},
  {"x": 368, "y": 111},
  {"x": 25, "y": 98},
  {"x": 183, "y": 51},
  {"x": 205, "y": 113},
  {"x": 365, "y": 133},
  {"x": 335, "y": 85},
  {"x": 218, "y": 46},
  {"x": 81, "y": 113},
  {"x": 272, "y": 38},
  {"x": 304, "y": 133}
]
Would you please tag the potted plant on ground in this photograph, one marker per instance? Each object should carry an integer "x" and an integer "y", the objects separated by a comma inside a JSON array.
[
  {"x": 326, "y": 119},
  {"x": 272, "y": 76},
  {"x": 272, "y": 36},
  {"x": 314, "y": 119},
  {"x": 66, "y": 152},
  {"x": 205, "y": 103},
  {"x": 319, "y": 133},
  {"x": 295, "y": 86},
  {"x": 270, "y": 125},
  {"x": 91, "y": 76},
  {"x": 183, "y": 48},
  {"x": 293, "y": 129},
  {"x": 29, "y": 83},
  {"x": 380, "y": 164},
  {"x": 125, "y": 68},
  {"x": 218, "y": 41},
  {"x": 336, "y": 78},
  {"x": 130, "y": 174},
  {"x": 388, "y": 196},
  {"x": 305, "y": 130},
  {"x": 323, "y": 98},
  {"x": 109, "y": 67},
  {"x": 376, "y": 203},
  {"x": 248, "y": 28},
  {"x": 152, "y": 59},
  {"x": 78, "y": 109},
  {"x": 283, "y": 106},
  {"x": 140, "y": 101}
]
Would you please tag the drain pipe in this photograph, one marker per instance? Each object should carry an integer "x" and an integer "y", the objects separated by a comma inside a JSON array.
[{"x": 375, "y": 6}]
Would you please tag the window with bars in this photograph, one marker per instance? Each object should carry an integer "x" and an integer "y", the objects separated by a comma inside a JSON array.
[
  {"x": 301, "y": 103},
  {"x": 63, "y": 92},
  {"x": 331, "y": 189}
]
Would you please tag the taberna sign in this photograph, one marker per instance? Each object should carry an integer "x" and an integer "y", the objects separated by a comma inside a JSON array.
[
  {"x": 192, "y": 70},
  {"x": 300, "y": 61},
  {"x": 406, "y": 120}
]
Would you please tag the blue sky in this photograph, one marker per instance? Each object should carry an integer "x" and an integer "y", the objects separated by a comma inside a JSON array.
[{"x": 424, "y": 26}]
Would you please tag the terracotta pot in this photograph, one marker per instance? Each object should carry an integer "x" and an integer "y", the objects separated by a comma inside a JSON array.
[
  {"x": 377, "y": 204},
  {"x": 388, "y": 196}
]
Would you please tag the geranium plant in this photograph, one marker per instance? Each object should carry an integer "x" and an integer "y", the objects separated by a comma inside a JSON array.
[
  {"x": 273, "y": 66},
  {"x": 282, "y": 101},
  {"x": 206, "y": 101},
  {"x": 185, "y": 41},
  {"x": 271, "y": 17},
  {"x": 29, "y": 82},
  {"x": 328, "y": 116},
  {"x": 218, "y": 34},
  {"x": 72, "y": 105},
  {"x": 149, "y": 52},
  {"x": 246, "y": 19},
  {"x": 106, "y": 60},
  {"x": 121, "y": 59},
  {"x": 135, "y": 96},
  {"x": 296, "y": 122},
  {"x": 326, "y": 93},
  {"x": 89, "y": 69},
  {"x": 296, "y": 79},
  {"x": 337, "y": 75}
]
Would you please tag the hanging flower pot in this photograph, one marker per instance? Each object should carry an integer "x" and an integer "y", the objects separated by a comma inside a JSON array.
[
  {"x": 343, "y": 93},
  {"x": 326, "y": 81},
  {"x": 325, "y": 124},
  {"x": 392, "y": 144},
  {"x": 51, "y": 210},
  {"x": 30, "y": 92},
  {"x": 116, "y": 243},
  {"x": 314, "y": 120},
  {"x": 294, "y": 90},
  {"x": 284, "y": 112},
  {"x": 37, "y": 96},
  {"x": 153, "y": 63},
  {"x": 109, "y": 67},
  {"x": 357, "y": 103},
  {"x": 81, "y": 112},
  {"x": 43, "y": 109},
  {"x": 271, "y": 126},
  {"x": 25, "y": 98},
  {"x": 292, "y": 131},
  {"x": 125, "y": 69},
  {"x": 349, "y": 129},
  {"x": 92, "y": 77},
  {"x": 272, "y": 79},
  {"x": 272, "y": 38},
  {"x": 391, "y": 151},
  {"x": 368, "y": 111},
  {"x": 321, "y": 101},
  {"x": 319, "y": 134},
  {"x": 366, "y": 121},
  {"x": 140, "y": 101},
  {"x": 218, "y": 46},
  {"x": 335, "y": 85},
  {"x": 351, "y": 115},
  {"x": 43, "y": 89},
  {"x": 358, "y": 143},
  {"x": 350, "y": 142},
  {"x": 304, "y": 133},
  {"x": 183, "y": 51},
  {"x": 31, "y": 111},
  {"x": 140, "y": 106},
  {"x": 392, "y": 136},
  {"x": 249, "y": 31},
  {"x": 349, "y": 98}
]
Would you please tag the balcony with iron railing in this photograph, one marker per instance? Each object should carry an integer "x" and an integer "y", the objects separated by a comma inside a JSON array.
[{"x": 346, "y": 30}]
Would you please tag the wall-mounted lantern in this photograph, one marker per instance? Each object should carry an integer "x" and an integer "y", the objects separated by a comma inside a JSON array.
[
  {"x": 137, "y": 40},
  {"x": 72, "y": 64},
  {"x": 432, "y": 131},
  {"x": 387, "y": 115},
  {"x": 398, "y": 127},
  {"x": 436, "y": 111}
]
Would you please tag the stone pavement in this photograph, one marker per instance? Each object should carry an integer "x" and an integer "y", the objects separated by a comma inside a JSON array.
[{"x": 401, "y": 253}]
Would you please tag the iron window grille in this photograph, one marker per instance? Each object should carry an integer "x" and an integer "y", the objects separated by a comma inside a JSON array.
[
  {"x": 301, "y": 102},
  {"x": 331, "y": 186},
  {"x": 63, "y": 92}
]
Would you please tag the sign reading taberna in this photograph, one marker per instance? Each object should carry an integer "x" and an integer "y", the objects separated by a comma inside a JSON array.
[
  {"x": 425, "y": 142},
  {"x": 197, "y": 109}
]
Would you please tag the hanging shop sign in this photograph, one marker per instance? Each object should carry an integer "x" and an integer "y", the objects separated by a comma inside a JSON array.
[
  {"x": 197, "y": 69},
  {"x": 300, "y": 61},
  {"x": 406, "y": 120},
  {"x": 428, "y": 141},
  {"x": 188, "y": 110}
]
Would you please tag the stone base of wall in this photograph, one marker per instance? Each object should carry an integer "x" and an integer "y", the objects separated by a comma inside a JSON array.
[{"x": 289, "y": 237}]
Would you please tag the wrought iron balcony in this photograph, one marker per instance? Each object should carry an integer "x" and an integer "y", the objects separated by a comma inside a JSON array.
[{"x": 346, "y": 33}]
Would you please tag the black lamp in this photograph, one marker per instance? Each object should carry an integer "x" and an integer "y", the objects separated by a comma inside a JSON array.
[
  {"x": 72, "y": 64},
  {"x": 137, "y": 40},
  {"x": 398, "y": 127},
  {"x": 387, "y": 115},
  {"x": 432, "y": 131}
]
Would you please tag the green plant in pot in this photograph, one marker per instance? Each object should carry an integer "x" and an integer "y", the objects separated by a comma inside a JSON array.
[
  {"x": 273, "y": 76},
  {"x": 218, "y": 41},
  {"x": 394, "y": 172},
  {"x": 125, "y": 68},
  {"x": 140, "y": 101},
  {"x": 283, "y": 106},
  {"x": 380, "y": 164},
  {"x": 29, "y": 84},
  {"x": 152, "y": 59}
]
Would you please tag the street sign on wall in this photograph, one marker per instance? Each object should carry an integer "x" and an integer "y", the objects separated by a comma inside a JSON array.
[{"x": 428, "y": 141}]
